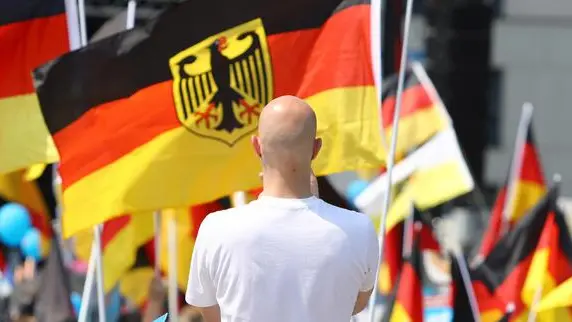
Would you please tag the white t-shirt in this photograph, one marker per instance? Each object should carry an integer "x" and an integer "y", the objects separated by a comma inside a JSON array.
[{"x": 283, "y": 260}]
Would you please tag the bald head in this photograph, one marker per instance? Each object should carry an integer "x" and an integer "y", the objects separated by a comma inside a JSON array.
[{"x": 287, "y": 132}]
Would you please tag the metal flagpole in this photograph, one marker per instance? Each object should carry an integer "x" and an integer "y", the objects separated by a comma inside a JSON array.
[
  {"x": 88, "y": 285},
  {"x": 392, "y": 147},
  {"x": 465, "y": 275},
  {"x": 157, "y": 242},
  {"x": 516, "y": 165},
  {"x": 172, "y": 256},
  {"x": 99, "y": 272}
]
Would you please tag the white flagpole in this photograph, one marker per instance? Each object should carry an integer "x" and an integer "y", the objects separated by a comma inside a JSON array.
[
  {"x": 72, "y": 17},
  {"x": 88, "y": 285},
  {"x": 392, "y": 147},
  {"x": 408, "y": 234},
  {"x": 99, "y": 271},
  {"x": 516, "y": 165},
  {"x": 82, "y": 22},
  {"x": 172, "y": 257},
  {"x": 157, "y": 242},
  {"x": 376, "y": 34},
  {"x": 239, "y": 199},
  {"x": 465, "y": 275}
]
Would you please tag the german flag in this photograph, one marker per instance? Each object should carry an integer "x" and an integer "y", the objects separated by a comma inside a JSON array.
[
  {"x": 120, "y": 238},
  {"x": 158, "y": 107},
  {"x": 508, "y": 262},
  {"x": 550, "y": 266},
  {"x": 31, "y": 33},
  {"x": 188, "y": 223},
  {"x": 15, "y": 188},
  {"x": 392, "y": 261},
  {"x": 422, "y": 114},
  {"x": 530, "y": 184},
  {"x": 406, "y": 302},
  {"x": 134, "y": 284},
  {"x": 527, "y": 189},
  {"x": 135, "y": 281},
  {"x": 489, "y": 307},
  {"x": 493, "y": 232},
  {"x": 560, "y": 297}
]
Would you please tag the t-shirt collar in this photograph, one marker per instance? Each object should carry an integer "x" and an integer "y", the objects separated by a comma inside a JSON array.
[{"x": 287, "y": 202}]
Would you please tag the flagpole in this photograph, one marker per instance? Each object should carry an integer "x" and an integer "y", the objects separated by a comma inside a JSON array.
[
  {"x": 516, "y": 165},
  {"x": 88, "y": 285},
  {"x": 392, "y": 147},
  {"x": 537, "y": 296},
  {"x": 465, "y": 275},
  {"x": 239, "y": 198},
  {"x": 376, "y": 35},
  {"x": 407, "y": 234},
  {"x": 172, "y": 257},
  {"x": 157, "y": 242}
]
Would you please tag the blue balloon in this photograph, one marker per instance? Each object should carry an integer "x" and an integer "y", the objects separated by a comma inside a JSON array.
[
  {"x": 31, "y": 244},
  {"x": 355, "y": 188},
  {"x": 14, "y": 223},
  {"x": 75, "y": 299}
]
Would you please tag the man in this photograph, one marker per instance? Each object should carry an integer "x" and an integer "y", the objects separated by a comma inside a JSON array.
[{"x": 288, "y": 256}]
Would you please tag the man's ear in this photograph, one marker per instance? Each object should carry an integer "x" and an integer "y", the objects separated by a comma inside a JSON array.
[
  {"x": 255, "y": 140},
  {"x": 317, "y": 147}
]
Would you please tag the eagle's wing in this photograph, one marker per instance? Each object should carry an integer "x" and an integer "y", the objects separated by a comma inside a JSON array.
[
  {"x": 248, "y": 72},
  {"x": 195, "y": 90}
]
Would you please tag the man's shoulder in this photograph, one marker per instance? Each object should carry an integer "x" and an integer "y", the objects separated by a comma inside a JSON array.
[
  {"x": 347, "y": 214},
  {"x": 221, "y": 215}
]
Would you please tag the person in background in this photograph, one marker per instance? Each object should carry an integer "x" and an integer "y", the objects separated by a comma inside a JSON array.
[
  {"x": 25, "y": 287},
  {"x": 155, "y": 300},
  {"x": 287, "y": 256},
  {"x": 156, "y": 304}
]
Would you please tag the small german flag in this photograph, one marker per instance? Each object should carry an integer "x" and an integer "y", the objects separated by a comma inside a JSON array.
[
  {"x": 422, "y": 116},
  {"x": 31, "y": 33},
  {"x": 392, "y": 261},
  {"x": 152, "y": 118},
  {"x": 491, "y": 306},
  {"x": 527, "y": 189},
  {"x": 188, "y": 222},
  {"x": 135, "y": 282},
  {"x": 551, "y": 265},
  {"x": 560, "y": 297},
  {"x": 508, "y": 262},
  {"x": 494, "y": 229},
  {"x": 530, "y": 184},
  {"x": 120, "y": 238},
  {"x": 406, "y": 302}
]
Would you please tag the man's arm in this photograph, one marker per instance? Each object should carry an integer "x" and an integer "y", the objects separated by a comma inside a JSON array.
[
  {"x": 372, "y": 262},
  {"x": 210, "y": 313},
  {"x": 201, "y": 291}
]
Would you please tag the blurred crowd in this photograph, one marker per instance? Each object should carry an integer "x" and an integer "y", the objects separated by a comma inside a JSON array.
[{"x": 19, "y": 298}]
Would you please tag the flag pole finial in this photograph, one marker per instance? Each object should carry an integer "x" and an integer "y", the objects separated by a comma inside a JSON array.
[{"x": 557, "y": 178}]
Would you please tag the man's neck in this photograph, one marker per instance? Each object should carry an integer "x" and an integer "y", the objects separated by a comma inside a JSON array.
[{"x": 295, "y": 185}]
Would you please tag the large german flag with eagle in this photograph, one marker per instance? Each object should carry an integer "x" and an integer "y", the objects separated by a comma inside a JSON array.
[
  {"x": 32, "y": 33},
  {"x": 159, "y": 117}
]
